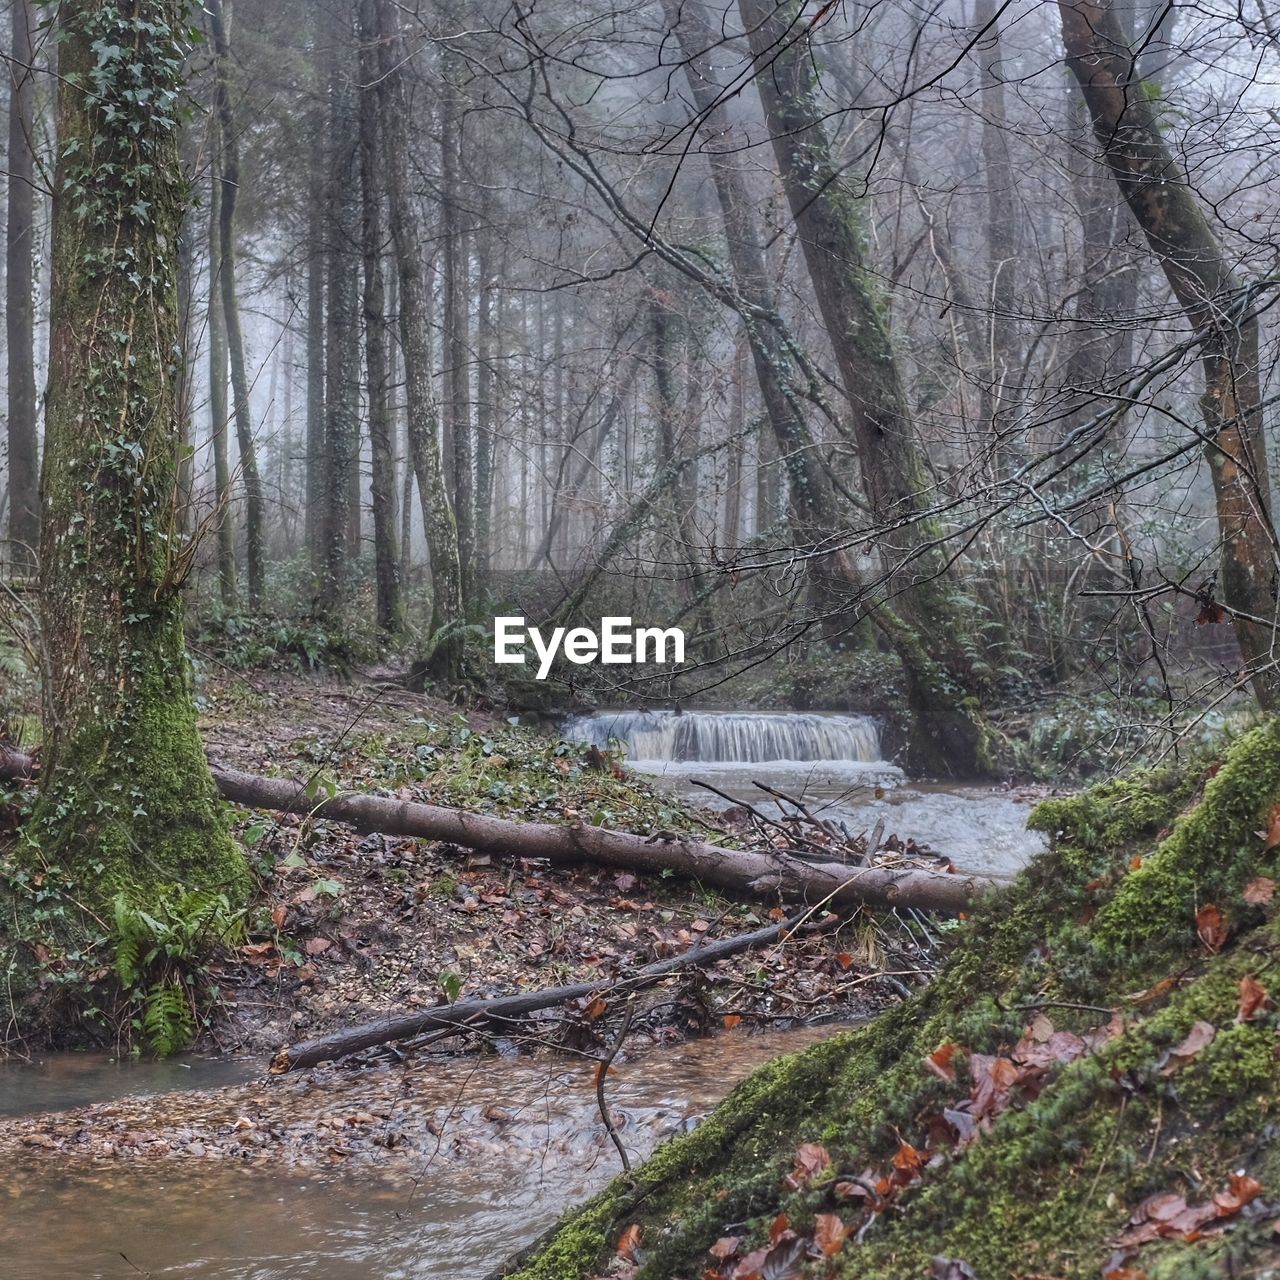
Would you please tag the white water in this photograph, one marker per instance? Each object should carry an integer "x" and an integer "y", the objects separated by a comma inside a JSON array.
[
  {"x": 833, "y": 762},
  {"x": 731, "y": 737}
]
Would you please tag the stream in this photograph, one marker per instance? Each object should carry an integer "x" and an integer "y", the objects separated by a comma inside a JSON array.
[
  {"x": 520, "y": 1139},
  {"x": 832, "y": 762}
]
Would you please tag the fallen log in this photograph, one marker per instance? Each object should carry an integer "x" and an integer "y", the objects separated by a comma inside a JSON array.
[
  {"x": 769, "y": 873},
  {"x": 469, "y": 1015},
  {"x": 760, "y": 873}
]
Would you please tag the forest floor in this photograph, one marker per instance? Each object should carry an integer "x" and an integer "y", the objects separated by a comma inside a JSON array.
[{"x": 349, "y": 927}]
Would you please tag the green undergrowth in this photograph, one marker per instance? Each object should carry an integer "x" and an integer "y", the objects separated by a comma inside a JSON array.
[
  {"x": 1145, "y": 916},
  {"x": 505, "y": 770}
]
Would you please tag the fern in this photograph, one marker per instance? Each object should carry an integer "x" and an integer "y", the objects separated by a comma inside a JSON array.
[
  {"x": 159, "y": 957},
  {"x": 167, "y": 1021}
]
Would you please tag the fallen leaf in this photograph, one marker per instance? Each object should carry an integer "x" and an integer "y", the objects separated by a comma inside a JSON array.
[
  {"x": 1273, "y": 828},
  {"x": 629, "y": 1242},
  {"x": 1259, "y": 891},
  {"x": 317, "y": 946},
  {"x": 731, "y": 1020},
  {"x": 829, "y": 1234},
  {"x": 811, "y": 1160},
  {"x": 780, "y": 1227},
  {"x": 1241, "y": 1189},
  {"x": 1253, "y": 996},
  {"x": 1211, "y": 927},
  {"x": 1200, "y": 1036},
  {"x": 939, "y": 1062},
  {"x": 725, "y": 1248}
]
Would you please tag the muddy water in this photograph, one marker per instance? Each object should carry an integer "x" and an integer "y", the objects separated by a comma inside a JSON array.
[{"x": 516, "y": 1142}]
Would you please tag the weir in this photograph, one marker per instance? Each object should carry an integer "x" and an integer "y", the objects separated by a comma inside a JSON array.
[{"x": 731, "y": 737}]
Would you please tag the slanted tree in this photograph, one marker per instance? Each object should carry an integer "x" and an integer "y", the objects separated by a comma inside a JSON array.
[
  {"x": 1215, "y": 301},
  {"x": 923, "y": 623},
  {"x": 126, "y": 801}
]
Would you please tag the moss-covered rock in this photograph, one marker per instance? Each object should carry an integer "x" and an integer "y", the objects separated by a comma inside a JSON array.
[{"x": 1100, "y": 936}]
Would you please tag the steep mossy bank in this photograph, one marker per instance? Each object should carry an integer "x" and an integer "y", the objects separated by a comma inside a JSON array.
[{"x": 1140, "y": 934}]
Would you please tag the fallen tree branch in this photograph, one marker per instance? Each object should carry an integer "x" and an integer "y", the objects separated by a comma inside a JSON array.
[
  {"x": 468, "y": 1015},
  {"x": 761, "y": 873}
]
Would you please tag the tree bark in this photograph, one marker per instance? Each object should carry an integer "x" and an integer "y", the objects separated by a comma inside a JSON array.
[
  {"x": 219, "y": 418},
  {"x": 229, "y": 190},
  {"x": 924, "y": 627},
  {"x": 316, "y": 292},
  {"x": 342, "y": 350},
  {"x": 126, "y": 800},
  {"x": 390, "y": 609},
  {"x": 1211, "y": 295},
  {"x": 24, "y": 449},
  {"x": 767, "y": 875},
  {"x": 447, "y": 603}
]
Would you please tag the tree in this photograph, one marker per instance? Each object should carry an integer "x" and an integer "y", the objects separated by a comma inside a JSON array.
[
  {"x": 228, "y": 194},
  {"x": 447, "y": 605},
  {"x": 126, "y": 801},
  {"x": 390, "y": 610},
  {"x": 1219, "y": 309},
  {"x": 24, "y": 458},
  {"x": 928, "y": 634}
]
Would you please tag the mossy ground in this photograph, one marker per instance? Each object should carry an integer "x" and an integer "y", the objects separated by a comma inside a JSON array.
[{"x": 1106, "y": 922}]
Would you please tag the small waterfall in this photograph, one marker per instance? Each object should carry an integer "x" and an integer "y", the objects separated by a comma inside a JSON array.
[{"x": 731, "y": 737}]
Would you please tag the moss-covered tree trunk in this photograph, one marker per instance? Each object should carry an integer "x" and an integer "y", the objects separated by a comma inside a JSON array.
[
  {"x": 126, "y": 799},
  {"x": 1212, "y": 296},
  {"x": 926, "y": 629}
]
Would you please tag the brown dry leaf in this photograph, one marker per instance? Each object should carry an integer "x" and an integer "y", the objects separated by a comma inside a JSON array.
[
  {"x": 1135, "y": 862},
  {"x": 602, "y": 1069},
  {"x": 907, "y": 1159},
  {"x": 844, "y": 959},
  {"x": 1199, "y": 1037},
  {"x": 279, "y": 914},
  {"x": 725, "y": 1248},
  {"x": 992, "y": 1080},
  {"x": 1272, "y": 836},
  {"x": 829, "y": 1234},
  {"x": 595, "y": 1008},
  {"x": 1240, "y": 1191},
  {"x": 317, "y": 946},
  {"x": 629, "y": 1242},
  {"x": 780, "y": 1227},
  {"x": 939, "y": 1062},
  {"x": 1211, "y": 927},
  {"x": 1259, "y": 891},
  {"x": 811, "y": 1160},
  {"x": 731, "y": 1020},
  {"x": 1253, "y": 997}
]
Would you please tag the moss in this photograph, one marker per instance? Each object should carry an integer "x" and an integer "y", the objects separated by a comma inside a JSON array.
[{"x": 1052, "y": 1184}]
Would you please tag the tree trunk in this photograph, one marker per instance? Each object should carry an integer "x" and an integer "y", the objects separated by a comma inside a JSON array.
[
  {"x": 437, "y": 512},
  {"x": 1202, "y": 280},
  {"x": 927, "y": 631},
  {"x": 767, "y": 874},
  {"x": 229, "y": 152},
  {"x": 219, "y": 420},
  {"x": 126, "y": 801},
  {"x": 316, "y": 290},
  {"x": 390, "y": 611},
  {"x": 24, "y": 449},
  {"x": 342, "y": 352},
  {"x": 457, "y": 305},
  {"x": 486, "y": 408}
]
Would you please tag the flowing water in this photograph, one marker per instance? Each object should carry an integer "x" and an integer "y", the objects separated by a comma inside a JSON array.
[
  {"x": 519, "y": 1141},
  {"x": 833, "y": 763}
]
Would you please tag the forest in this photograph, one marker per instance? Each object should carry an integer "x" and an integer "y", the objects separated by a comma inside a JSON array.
[{"x": 639, "y": 641}]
